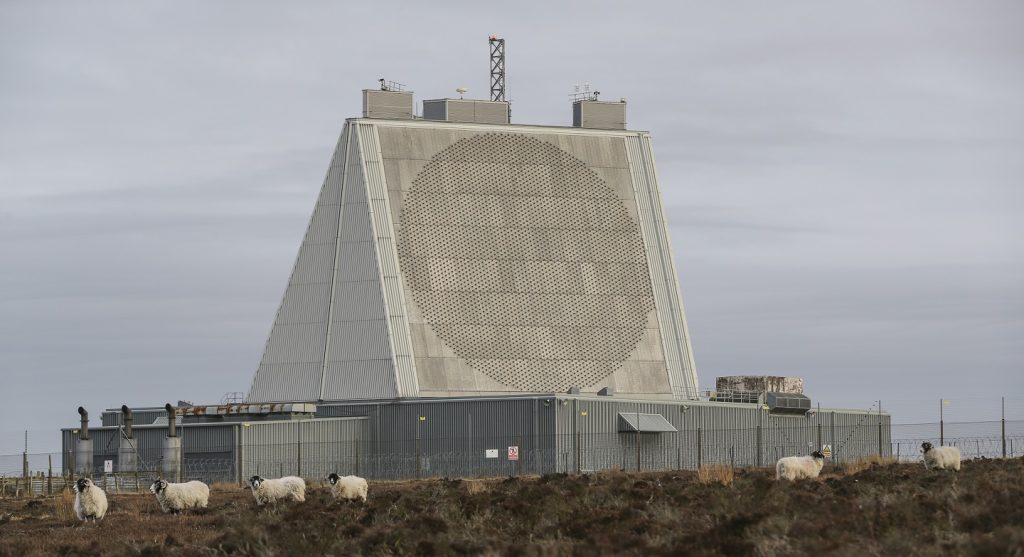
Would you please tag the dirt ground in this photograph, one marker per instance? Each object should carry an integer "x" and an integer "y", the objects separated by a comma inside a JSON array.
[{"x": 893, "y": 509}]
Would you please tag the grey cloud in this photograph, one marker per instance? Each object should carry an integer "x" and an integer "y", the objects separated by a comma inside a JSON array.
[{"x": 842, "y": 182}]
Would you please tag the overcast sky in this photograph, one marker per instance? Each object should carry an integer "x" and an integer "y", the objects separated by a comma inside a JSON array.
[{"x": 844, "y": 186}]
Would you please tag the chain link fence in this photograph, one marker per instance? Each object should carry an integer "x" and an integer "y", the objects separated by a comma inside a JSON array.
[{"x": 44, "y": 473}]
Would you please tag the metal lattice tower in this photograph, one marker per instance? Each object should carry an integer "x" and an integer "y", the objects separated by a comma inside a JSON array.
[{"x": 497, "y": 68}]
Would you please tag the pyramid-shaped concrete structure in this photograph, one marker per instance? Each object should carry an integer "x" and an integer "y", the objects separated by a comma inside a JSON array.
[{"x": 465, "y": 259}]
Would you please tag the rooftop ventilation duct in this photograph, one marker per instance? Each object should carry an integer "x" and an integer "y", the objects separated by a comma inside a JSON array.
[
  {"x": 126, "y": 420},
  {"x": 83, "y": 433},
  {"x": 172, "y": 415},
  {"x": 786, "y": 403}
]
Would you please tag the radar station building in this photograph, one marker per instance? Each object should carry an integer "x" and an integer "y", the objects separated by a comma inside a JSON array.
[{"x": 477, "y": 297}]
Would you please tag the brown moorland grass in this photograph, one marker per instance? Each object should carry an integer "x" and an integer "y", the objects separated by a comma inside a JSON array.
[
  {"x": 882, "y": 509},
  {"x": 716, "y": 473}
]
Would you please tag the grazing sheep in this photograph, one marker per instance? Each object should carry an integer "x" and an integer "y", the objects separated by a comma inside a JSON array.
[
  {"x": 174, "y": 498},
  {"x": 90, "y": 501},
  {"x": 272, "y": 491},
  {"x": 793, "y": 467},
  {"x": 348, "y": 487},
  {"x": 936, "y": 458}
]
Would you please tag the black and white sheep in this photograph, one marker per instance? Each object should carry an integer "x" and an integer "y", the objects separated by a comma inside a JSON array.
[
  {"x": 174, "y": 498},
  {"x": 348, "y": 487},
  {"x": 90, "y": 501},
  {"x": 794, "y": 467},
  {"x": 272, "y": 491},
  {"x": 940, "y": 458}
]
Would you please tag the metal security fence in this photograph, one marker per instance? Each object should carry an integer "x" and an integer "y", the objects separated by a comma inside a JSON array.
[
  {"x": 989, "y": 439},
  {"x": 294, "y": 451}
]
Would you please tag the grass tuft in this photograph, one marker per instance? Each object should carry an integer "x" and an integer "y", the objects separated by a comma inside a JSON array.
[
  {"x": 716, "y": 473},
  {"x": 64, "y": 506},
  {"x": 862, "y": 464}
]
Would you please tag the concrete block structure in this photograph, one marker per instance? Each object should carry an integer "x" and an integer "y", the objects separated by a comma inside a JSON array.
[{"x": 460, "y": 259}]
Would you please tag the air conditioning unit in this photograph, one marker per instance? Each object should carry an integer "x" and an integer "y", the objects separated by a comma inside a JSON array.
[{"x": 785, "y": 403}]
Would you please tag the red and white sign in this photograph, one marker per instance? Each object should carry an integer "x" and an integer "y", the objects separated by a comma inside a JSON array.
[{"x": 513, "y": 453}]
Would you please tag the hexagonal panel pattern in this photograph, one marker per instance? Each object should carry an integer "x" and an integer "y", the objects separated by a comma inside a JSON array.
[{"x": 524, "y": 262}]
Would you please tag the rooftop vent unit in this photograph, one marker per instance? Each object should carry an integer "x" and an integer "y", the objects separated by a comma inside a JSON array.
[{"x": 786, "y": 403}]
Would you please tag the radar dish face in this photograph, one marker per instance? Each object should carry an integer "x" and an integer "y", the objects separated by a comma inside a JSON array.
[{"x": 525, "y": 263}]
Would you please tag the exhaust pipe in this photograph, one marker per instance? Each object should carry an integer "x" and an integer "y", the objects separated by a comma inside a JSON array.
[
  {"x": 126, "y": 419},
  {"x": 172, "y": 414},
  {"x": 83, "y": 433}
]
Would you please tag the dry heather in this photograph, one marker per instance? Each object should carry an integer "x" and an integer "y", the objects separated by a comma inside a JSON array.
[
  {"x": 884, "y": 509},
  {"x": 724, "y": 475}
]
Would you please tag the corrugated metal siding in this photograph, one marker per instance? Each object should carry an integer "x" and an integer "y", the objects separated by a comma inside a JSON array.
[
  {"x": 452, "y": 439},
  {"x": 209, "y": 452},
  {"x": 387, "y": 259},
  {"x": 358, "y": 360},
  {"x": 307, "y": 448},
  {"x": 292, "y": 364},
  {"x": 554, "y": 433},
  {"x": 742, "y": 435},
  {"x": 667, "y": 296}
]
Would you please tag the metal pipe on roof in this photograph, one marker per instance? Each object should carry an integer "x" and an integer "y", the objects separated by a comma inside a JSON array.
[
  {"x": 172, "y": 414},
  {"x": 83, "y": 433},
  {"x": 126, "y": 419}
]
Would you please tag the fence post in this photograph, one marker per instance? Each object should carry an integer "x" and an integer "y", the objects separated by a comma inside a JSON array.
[
  {"x": 579, "y": 459},
  {"x": 700, "y": 449},
  {"x": 880, "y": 455},
  {"x": 28, "y": 477},
  {"x": 942, "y": 432},
  {"x": 1003, "y": 420},
  {"x": 638, "y": 446},
  {"x": 759, "y": 445},
  {"x": 819, "y": 432},
  {"x": 49, "y": 475}
]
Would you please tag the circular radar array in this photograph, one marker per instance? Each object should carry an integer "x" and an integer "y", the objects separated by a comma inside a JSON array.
[{"x": 525, "y": 263}]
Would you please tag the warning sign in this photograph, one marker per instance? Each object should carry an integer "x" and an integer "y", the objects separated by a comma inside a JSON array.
[
  {"x": 513, "y": 453},
  {"x": 108, "y": 466},
  {"x": 492, "y": 453},
  {"x": 826, "y": 450}
]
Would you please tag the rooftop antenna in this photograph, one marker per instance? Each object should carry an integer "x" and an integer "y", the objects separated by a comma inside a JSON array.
[
  {"x": 582, "y": 92},
  {"x": 461, "y": 91},
  {"x": 497, "y": 67}
]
